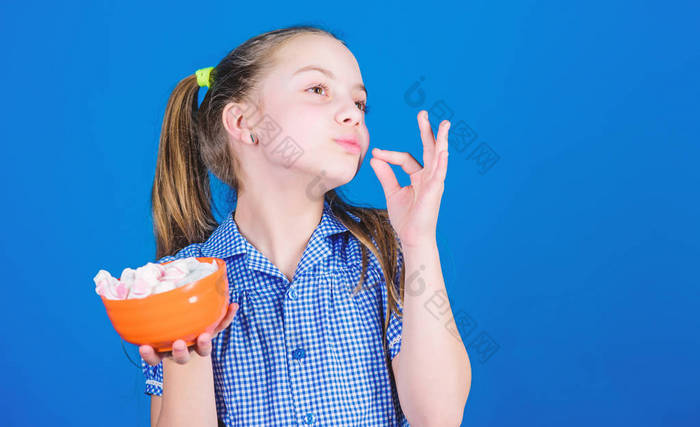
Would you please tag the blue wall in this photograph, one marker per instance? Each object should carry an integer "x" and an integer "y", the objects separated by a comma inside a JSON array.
[{"x": 571, "y": 257}]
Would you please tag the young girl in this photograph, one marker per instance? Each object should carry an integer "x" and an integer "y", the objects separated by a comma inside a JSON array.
[{"x": 317, "y": 313}]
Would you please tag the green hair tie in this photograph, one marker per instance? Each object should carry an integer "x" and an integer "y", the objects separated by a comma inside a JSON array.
[{"x": 203, "y": 76}]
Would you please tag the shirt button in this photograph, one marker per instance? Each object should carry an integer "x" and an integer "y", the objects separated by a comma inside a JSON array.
[
  {"x": 298, "y": 353},
  {"x": 293, "y": 294},
  {"x": 309, "y": 418}
]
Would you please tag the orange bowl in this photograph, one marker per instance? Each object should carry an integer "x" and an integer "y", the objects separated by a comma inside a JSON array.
[{"x": 182, "y": 313}]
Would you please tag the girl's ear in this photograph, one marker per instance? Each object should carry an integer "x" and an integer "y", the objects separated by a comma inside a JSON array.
[{"x": 236, "y": 122}]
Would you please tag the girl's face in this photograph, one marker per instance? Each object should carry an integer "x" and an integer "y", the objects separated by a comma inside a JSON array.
[{"x": 314, "y": 95}]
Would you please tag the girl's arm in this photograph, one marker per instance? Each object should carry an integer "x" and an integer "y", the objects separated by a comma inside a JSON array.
[
  {"x": 432, "y": 370},
  {"x": 188, "y": 386},
  {"x": 156, "y": 403},
  {"x": 188, "y": 393}
]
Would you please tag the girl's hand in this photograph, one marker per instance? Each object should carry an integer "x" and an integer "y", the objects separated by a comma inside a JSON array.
[
  {"x": 180, "y": 352},
  {"x": 413, "y": 209}
]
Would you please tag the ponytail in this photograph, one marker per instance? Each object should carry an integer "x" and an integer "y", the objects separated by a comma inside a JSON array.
[{"x": 180, "y": 197}]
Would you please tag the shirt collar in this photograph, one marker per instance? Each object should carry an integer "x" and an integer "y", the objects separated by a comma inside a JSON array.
[{"x": 227, "y": 241}]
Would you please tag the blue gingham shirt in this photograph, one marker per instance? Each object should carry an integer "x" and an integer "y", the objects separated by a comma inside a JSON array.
[{"x": 305, "y": 352}]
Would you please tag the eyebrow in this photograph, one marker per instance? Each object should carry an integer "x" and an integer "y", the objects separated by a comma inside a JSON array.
[{"x": 330, "y": 74}]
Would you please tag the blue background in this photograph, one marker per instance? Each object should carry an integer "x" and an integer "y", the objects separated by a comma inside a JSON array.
[{"x": 576, "y": 253}]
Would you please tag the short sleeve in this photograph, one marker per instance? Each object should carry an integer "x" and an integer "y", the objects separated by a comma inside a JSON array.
[
  {"x": 393, "y": 333},
  {"x": 154, "y": 378},
  {"x": 154, "y": 374}
]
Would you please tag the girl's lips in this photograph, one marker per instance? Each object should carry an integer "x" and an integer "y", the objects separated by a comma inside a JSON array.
[{"x": 350, "y": 146}]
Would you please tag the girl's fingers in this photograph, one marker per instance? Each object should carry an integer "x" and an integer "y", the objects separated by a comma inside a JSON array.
[
  {"x": 203, "y": 347},
  {"x": 149, "y": 355},
  {"x": 426, "y": 134},
  {"x": 402, "y": 158},
  {"x": 441, "y": 172},
  {"x": 180, "y": 353},
  {"x": 386, "y": 176},
  {"x": 441, "y": 143}
]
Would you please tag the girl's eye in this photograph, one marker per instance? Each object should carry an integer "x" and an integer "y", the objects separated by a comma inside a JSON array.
[
  {"x": 364, "y": 107},
  {"x": 319, "y": 86}
]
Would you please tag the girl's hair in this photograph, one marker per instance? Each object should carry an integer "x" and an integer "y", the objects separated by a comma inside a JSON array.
[{"x": 193, "y": 141}]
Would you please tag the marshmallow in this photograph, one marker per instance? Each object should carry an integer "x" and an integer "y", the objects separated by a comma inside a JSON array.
[{"x": 152, "y": 278}]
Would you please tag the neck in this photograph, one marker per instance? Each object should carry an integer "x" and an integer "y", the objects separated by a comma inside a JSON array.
[{"x": 278, "y": 225}]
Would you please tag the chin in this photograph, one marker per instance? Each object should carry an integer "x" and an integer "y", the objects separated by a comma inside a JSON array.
[
  {"x": 340, "y": 173},
  {"x": 329, "y": 177}
]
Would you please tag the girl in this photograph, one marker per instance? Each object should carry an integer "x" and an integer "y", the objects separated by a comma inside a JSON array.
[{"x": 316, "y": 284}]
